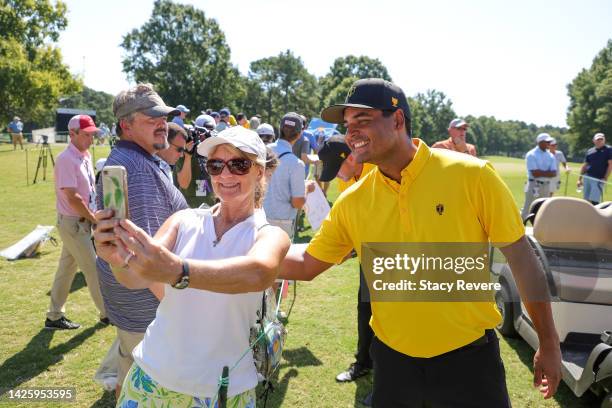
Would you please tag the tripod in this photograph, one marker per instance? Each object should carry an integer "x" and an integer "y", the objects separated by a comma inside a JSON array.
[{"x": 44, "y": 150}]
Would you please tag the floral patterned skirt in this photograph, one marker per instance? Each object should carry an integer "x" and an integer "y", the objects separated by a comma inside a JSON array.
[{"x": 140, "y": 390}]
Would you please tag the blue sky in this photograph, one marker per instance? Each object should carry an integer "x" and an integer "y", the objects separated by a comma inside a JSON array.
[{"x": 511, "y": 60}]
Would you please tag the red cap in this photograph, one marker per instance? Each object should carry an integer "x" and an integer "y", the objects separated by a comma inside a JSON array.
[{"x": 82, "y": 122}]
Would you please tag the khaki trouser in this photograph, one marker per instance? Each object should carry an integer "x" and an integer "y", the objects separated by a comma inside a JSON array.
[
  {"x": 127, "y": 342},
  {"x": 17, "y": 137},
  {"x": 77, "y": 251},
  {"x": 286, "y": 225},
  {"x": 535, "y": 189}
]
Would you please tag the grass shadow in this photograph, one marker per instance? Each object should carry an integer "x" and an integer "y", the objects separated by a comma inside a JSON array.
[
  {"x": 364, "y": 387},
  {"x": 564, "y": 396},
  {"x": 294, "y": 358},
  {"x": 77, "y": 283},
  {"x": 36, "y": 357},
  {"x": 107, "y": 400}
]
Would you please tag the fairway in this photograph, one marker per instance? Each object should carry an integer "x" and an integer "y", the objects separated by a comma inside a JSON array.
[{"x": 322, "y": 331}]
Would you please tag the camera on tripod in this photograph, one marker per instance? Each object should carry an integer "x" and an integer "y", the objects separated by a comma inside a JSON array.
[{"x": 198, "y": 134}]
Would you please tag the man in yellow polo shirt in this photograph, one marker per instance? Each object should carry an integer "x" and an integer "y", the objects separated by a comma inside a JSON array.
[{"x": 427, "y": 353}]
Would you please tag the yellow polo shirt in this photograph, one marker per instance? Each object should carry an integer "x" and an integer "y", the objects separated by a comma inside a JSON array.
[
  {"x": 478, "y": 208},
  {"x": 343, "y": 185}
]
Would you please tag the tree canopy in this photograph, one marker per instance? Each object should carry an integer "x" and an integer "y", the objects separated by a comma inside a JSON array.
[
  {"x": 590, "y": 93},
  {"x": 32, "y": 74},
  {"x": 184, "y": 55}
]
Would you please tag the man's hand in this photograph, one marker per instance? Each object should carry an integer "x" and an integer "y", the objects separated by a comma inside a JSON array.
[
  {"x": 107, "y": 245},
  {"x": 579, "y": 183},
  {"x": 310, "y": 186},
  {"x": 188, "y": 148},
  {"x": 547, "y": 368}
]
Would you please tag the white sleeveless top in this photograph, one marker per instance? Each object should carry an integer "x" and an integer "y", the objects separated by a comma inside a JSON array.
[{"x": 197, "y": 332}]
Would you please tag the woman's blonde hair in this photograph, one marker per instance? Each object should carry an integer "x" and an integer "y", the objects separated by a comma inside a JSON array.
[{"x": 260, "y": 187}]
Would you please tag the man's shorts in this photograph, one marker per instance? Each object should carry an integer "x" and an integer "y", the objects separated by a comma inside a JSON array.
[{"x": 593, "y": 189}]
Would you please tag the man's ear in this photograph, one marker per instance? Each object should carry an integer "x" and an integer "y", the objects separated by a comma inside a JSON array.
[
  {"x": 124, "y": 125},
  {"x": 400, "y": 119}
]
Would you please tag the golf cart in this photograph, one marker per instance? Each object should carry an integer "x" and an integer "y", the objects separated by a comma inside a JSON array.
[{"x": 573, "y": 241}]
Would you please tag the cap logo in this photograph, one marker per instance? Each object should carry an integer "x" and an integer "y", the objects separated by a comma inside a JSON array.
[
  {"x": 351, "y": 91},
  {"x": 289, "y": 123},
  {"x": 343, "y": 155},
  {"x": 394, "y": 102}
]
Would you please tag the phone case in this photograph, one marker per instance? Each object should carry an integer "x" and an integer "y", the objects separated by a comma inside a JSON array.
[{"x": 114, "y": 190}]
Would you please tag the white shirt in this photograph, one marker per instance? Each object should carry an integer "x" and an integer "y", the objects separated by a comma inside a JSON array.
[
  {"x": 538, "y": 159},
  {"x": 197, "y": 332}
]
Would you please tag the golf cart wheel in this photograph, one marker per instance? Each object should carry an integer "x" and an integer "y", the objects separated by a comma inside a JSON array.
[{"x": 506, "y": 326}]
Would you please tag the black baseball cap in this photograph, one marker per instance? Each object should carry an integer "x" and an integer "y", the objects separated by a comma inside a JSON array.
[
  {"x": 333, "y": 153},
  {"x": 370, "y": 93}
]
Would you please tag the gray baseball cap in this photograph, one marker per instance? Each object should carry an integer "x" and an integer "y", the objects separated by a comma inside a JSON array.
[{"x": 150, "y": 104}]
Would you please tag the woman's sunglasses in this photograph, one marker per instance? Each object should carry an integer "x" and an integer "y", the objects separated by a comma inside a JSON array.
[{"x": 238, "y": 167}]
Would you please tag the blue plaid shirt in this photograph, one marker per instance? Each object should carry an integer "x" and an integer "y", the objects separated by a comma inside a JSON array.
[{"x": 152, "y": 198}]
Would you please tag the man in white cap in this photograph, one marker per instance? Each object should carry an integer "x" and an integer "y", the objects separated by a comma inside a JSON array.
[
  {"x": 541, "y": 170},
  {"x": 76, "y": 204},
  {"x": 266, "y": 133},
  {"x": 596, "y": 169},
  {"x": 180, "y": 118},
  {"x": 457, "y": 132},
  {"x": 15, "y": 128}
]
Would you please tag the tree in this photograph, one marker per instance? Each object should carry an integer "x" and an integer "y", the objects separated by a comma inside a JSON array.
[
  {"x": 282, "y": 84},
  {"x": 346, "y": 70},
  {"x": 185, "y": 56},
  {"x": 32, "y": 74},
  {"x": 437, "y": 113},
  {"x": 590, "y": 93},
  {"x": 101, "y": 102}
]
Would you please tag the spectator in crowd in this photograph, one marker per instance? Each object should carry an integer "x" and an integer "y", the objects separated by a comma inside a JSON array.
[
  {"x": 427, "y": 353},
  {"x": 301, "y": 148},
  {"x": 242, "y": 120},
  {"x": 180, "y": 119},
  {"x": 216, "y": 117},
  {"x": 338, "y": 162},
  {"x": 224, "y": 118},
  {"x": 318, "y": 138},
  {"x": 541, "y": 170},
  {"x": 177, "y": 140},
  {"x": 254, "y": 123},
  {"x": 76, "y": 205},
  {"x": 226, "y": 256},
  {"x": 266, "y": 133},
  {"x": 457, "y": 134},
  {"x": 232, "y": 121},
  {"x": 152, "y": 199},
  {"x": 98, "y": 167},
  {"x": 287, "y": 189},
  {"x": 15, "y": 128},
  {"x": 561, "y": 160},
  {"x": 191, "y": 174},
  {"x": 596, "y": 169}
]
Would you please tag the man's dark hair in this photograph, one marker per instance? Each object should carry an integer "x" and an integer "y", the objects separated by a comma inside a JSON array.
[
  {"x": 240, "y": 116},
  {"x": 174, "y": 129},
  {"x": 288, "y": 133},
  {"x": 407, "y": 122},
  {"x": 118, "y": 130}
]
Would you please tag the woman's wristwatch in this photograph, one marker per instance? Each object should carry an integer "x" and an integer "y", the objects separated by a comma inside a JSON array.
[{"x": 183, "y": 281}]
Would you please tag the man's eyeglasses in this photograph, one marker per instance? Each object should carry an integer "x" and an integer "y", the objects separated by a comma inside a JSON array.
[
  {"x": 179, "y": 149},
  {"x": 238, "y": 167}
]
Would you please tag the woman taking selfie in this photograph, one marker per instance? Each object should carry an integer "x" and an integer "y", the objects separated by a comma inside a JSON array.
[{"x": 212, "y": 266}]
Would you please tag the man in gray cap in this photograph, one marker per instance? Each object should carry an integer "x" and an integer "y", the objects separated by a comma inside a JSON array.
[
  {"x": 541, "y": 170},
  {"x": 457, "y": 132},
  {"x": 152, "y": 198}
]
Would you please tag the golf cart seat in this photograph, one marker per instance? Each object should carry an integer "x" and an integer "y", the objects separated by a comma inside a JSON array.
[{"x": 573, "y": 223}]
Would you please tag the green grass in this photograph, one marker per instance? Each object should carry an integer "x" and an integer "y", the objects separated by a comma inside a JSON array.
[{"x": 322, "y": 328}]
